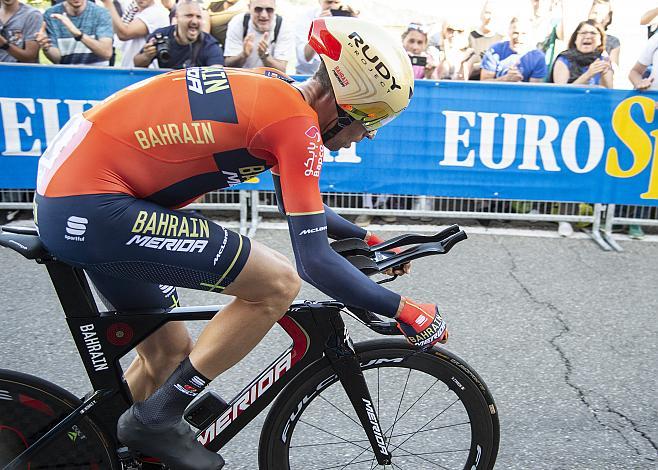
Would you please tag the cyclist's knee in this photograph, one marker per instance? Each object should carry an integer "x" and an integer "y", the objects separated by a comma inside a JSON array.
[{"x": 280, "y": 290}]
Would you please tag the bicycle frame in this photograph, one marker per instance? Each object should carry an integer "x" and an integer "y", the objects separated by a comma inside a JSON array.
[{"x": 318, "y": 333}]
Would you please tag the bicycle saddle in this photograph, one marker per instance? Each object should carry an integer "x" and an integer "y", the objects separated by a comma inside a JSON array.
[{"x": 24, "y": 240}]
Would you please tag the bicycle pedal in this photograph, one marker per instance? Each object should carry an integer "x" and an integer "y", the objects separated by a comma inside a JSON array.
[{"x": 202, "y": 411}]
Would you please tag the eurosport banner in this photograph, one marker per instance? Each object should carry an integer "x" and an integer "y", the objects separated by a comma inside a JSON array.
[{"x": 458, "y": 139}]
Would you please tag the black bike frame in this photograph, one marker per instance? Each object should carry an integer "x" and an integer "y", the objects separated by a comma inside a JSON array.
[{"x": 319, "y": 338}]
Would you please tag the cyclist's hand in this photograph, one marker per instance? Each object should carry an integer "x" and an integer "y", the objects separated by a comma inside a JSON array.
[
  {"x": 422, "y": 324},
  {"x": 398, "y": 270}
]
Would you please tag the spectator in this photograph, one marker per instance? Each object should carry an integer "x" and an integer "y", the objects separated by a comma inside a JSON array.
[
  {"x": 76, "y": 32},
  {"x": 585, "y": 62},
  {"x": 307, "y": 60},
  {"x": 19, "y": 25},
  {"x": 601, "y": 12},
  {"x": 415, "y": 42},
  {"x": 648, "y": 58},
  {"x": 220, "y": 13},
  {"x": 483, "y": 37},
  {"x": 171, "y": 5},
  {"x": 648, "y": 19},
  {"x": 514, "y": 60},
  {"x": 187, "y": 44},
  {"x": 148, "y": 17},
  {"x": 455, "y": 53},
  {"x": 547, "y": 27},
  {"x": 259, "y": 38}
]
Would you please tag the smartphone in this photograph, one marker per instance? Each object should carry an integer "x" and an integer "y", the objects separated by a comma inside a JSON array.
[
  {"x": 418, "y": 60},
  {"x": 340, "y": 12}
]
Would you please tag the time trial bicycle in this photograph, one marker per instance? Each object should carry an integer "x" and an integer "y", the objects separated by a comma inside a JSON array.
[{"x": 337, "y": 404}]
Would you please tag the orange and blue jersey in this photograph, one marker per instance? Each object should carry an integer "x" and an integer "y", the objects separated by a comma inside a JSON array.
[{"x": 125, "y": 166}]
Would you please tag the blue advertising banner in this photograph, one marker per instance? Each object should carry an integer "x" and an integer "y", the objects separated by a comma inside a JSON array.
[{"x": 459, "y": 139}]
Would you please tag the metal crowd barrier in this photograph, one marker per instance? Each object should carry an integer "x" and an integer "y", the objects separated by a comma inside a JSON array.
[
  {"x": 597, "y": 220},
  {"x": 644, "y": 216}
]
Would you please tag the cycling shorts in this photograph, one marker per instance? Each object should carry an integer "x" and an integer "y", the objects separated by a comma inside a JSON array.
[{"x": 135, "y": 251}]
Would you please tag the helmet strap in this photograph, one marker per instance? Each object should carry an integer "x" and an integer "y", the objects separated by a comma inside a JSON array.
[{"x": 329, "y": 134}]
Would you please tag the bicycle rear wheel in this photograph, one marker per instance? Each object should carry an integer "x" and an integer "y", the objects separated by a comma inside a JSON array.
[
  {"x": 433, "y": 409},
  {"x": 29, "y": 407}
]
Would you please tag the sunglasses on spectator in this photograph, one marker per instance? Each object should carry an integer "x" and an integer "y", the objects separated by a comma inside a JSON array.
[
  {"x": 268, "y": 10},
  {"x": 454, "y": 30}
]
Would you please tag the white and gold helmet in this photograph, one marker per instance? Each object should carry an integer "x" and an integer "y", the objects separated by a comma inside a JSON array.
[{"x": 370, "y": 71}]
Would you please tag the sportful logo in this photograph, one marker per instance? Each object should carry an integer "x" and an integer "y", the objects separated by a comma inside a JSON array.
[
  {"x": 420, "y": 321},
  {"x": 308, "y": 231},
  {"x": 4, "y": 395},
  {"x": 198, "y": 381},
  {"x": 167, "y": 290},
  {"x": 76, "y": 228}
]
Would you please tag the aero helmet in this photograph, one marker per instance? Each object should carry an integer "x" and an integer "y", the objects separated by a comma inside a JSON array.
[{"x": 370, "y": 71}]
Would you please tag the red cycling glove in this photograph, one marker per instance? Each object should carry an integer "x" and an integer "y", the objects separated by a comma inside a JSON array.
[{"x": 422, "y": 324}]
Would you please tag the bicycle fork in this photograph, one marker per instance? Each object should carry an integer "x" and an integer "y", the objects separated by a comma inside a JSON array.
[{"x": 346, "y": 364}]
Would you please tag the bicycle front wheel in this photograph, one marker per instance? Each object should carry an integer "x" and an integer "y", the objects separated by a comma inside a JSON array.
[
  {"x": 29, "y": 407},
  {"x": 433, "y": 409}
]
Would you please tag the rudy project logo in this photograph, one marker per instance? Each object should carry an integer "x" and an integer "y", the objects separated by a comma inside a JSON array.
[
  {"x": 76, "y": 228},
  {"x": 360, "y": 49}
]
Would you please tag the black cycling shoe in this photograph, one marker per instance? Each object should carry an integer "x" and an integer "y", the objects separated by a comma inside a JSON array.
[{"x": 176, "y": 446}]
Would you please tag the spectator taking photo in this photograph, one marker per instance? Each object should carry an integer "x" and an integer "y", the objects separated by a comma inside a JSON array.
[
  {"x": 19, "y": 25},
  {"x": 182, "y": 44}
]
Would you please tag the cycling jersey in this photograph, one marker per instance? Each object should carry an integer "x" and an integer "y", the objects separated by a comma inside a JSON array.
[{"x": 157, "y": 145}]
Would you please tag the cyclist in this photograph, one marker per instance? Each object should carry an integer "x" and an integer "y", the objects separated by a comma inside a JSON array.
[{"x": 109, "y": 185}]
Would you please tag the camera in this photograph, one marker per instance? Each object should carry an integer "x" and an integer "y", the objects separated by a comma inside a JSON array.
[
  {"x": 162, "y": 48},
  {"x": 418, "y": 60}
]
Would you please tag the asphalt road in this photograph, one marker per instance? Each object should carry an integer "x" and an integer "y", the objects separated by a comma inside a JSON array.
[{"x": 564, "y": 334}]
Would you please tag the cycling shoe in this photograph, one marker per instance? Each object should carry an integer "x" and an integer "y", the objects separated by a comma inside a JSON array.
[{"x": 176, "y": 446}]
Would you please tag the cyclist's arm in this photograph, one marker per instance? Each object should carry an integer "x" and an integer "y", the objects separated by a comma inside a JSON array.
[
  {"x": 338, "y": 227},
  {"x": 317, "y": 263}
]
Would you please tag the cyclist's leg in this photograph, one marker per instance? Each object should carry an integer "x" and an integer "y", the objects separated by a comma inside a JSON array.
[
  {"x": 124, "y": 237},
  {"x": 160, "y": 353},
  {"x": 264, "y": 290}
]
